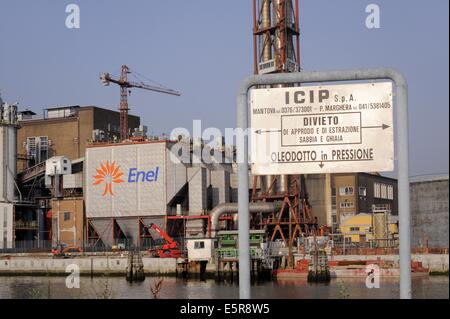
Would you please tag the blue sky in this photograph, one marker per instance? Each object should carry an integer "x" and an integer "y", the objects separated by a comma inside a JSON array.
[{"x": 204, "y": 49}]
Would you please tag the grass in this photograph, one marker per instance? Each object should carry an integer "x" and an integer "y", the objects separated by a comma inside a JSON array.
[{"x": 343, "y": 292}]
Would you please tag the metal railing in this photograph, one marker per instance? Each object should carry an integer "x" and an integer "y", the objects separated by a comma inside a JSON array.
[{"x": 233, "y": 253}]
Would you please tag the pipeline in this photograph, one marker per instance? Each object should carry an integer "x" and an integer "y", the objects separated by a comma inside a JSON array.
[{"x": 232, "y": 208}]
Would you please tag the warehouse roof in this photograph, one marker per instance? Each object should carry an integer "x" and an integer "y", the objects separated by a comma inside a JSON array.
[{"x": 428, "y": 178}]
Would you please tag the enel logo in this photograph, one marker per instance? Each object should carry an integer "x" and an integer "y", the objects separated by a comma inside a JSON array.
[{"x": 135, "y": 176}]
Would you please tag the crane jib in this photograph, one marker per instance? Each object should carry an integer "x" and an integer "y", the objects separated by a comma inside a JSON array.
[{"x": 124, "y": 83}]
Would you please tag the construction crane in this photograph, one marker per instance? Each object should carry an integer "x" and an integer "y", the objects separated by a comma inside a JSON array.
[{"x": 125, "y": 86}]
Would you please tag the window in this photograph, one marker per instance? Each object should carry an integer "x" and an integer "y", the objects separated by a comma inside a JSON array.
[
  {"x": 354, "y": 228},
  {"x": 199, "y": 245},
  {"x": 383, "y": 191},
  {"x": 390, "y": 192},
  {"x": 37, "y": 149},
  {"x": 346, "y": 190},
  {"x": 362, "y": 191},
  {"x": 347, "y": 204},
  {"x": 376, "y": 190},
  {"x": 66, "y": 216}
]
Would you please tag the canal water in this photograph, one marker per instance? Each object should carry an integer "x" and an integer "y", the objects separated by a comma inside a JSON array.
[{"x": 24, "y": 287}]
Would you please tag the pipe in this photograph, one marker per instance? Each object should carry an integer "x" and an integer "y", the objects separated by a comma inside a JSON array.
[
  {"x": 401, "y": 105},
  {"x": 12, "y": 199},
  {"x": 232, "y": 208}
]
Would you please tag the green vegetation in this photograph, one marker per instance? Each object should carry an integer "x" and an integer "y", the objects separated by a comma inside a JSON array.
[
  {"x": 155, "y": 288},
  {"x": 103, "y": 289},
  {"x": 343, "y": 292}
]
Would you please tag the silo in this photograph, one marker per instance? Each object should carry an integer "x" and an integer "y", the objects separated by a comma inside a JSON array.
[
  {"x": 130, "y": 183},
  {"x": 8, "y": 152}
]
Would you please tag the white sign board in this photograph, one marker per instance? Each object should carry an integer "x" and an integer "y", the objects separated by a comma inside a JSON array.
[{"x": 322, "y": 129}]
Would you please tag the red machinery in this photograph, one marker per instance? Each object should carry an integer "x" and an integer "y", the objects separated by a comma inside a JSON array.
[{"x": 169, "y": 250}]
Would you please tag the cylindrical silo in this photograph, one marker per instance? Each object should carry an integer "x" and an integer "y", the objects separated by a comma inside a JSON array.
[
  {"x": 8, "y": 153},
  {"x": 3, "y": 162}
]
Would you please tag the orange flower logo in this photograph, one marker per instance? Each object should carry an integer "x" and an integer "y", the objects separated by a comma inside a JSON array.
[{"x": 108, "y": 174}]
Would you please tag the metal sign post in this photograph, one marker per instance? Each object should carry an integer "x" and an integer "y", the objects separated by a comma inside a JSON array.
[{"x": 401, "y": 105}]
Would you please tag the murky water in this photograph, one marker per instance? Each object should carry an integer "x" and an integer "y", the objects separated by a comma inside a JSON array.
[{"x": 118, "y": 287}]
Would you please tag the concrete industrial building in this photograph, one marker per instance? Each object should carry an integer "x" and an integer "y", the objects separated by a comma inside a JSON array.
[
  {"x": 68, "y": 221},
  {"x": 429, "y": 211},
  {"x": 361, "y": 228},
  {"x": 128, "y": 186},
  {"x": 60, "y": 135},
  {"x": 358, "y": 193},
  {"x": 65, "y": 131},
  {"x": 336, "y": 197}
]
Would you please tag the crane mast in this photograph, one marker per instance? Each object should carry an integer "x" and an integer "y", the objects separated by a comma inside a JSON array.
[
  {"x": 125, "y": 85},
  {"x": 124, "y": 103}
]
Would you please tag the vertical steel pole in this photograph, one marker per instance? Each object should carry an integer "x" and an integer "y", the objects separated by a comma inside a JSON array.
[
  {"x": 403, "y": 190},
  {"x": 243, "y": 197}
]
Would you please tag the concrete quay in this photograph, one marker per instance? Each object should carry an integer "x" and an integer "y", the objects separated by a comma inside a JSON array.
[
  {"x": 116, "y": 264},
  {"x": 88, "y": 265}
]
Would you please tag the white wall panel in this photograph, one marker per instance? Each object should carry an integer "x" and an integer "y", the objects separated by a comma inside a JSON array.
[{"x": 146, "y": 197}]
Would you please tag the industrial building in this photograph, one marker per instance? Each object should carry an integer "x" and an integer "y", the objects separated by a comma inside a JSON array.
[
  {"x": 378, "y": 229},
  {"x": 429, "y": 211},
  {"x": 41, "y": 166},
  {"x": 132, "y": 185},
  {"x": 40, "y": 138},
  {"x": 359, "y": 193},
  {"x": 337, "y": 197},
  {"x": 103, "y": 182},
  {"x": 67, "y": 220}
]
